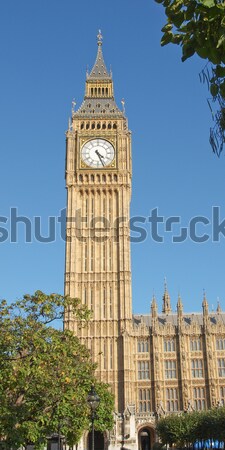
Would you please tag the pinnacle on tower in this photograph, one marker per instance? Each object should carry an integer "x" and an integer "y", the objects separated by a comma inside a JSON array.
[
  {"x": 179, "y": 304},
  {"x": 166, "y": 309},
  {"x": 205, "y": 305},
  {"x": 218, "y": 309},
  {"x": 154, "y": 308}
]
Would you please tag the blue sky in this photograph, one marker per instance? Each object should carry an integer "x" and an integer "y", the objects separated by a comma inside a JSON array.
[{"x": 44, "y": 50}]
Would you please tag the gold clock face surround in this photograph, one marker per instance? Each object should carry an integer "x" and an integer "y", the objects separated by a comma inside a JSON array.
[{"x": 97, "y": 153}]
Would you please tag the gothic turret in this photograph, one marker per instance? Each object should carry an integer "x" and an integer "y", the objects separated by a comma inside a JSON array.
[
  {"x": 179, "y": 311},
  {"x": 166, "y": 309},
  {"x": 154, "y": 308}
]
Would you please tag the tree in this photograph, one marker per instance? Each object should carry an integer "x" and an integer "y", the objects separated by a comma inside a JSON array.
[
  {"x": 45, "y": 373},
  {"x": 199, "y": 27},
  {"x": 188, "y": 428}
]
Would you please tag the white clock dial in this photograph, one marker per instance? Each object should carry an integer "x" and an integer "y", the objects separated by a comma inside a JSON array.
[{"x": 97, "y": 153}]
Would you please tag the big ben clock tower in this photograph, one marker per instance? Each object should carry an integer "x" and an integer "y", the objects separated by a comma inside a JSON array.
[{"x": 98, "y": 180}]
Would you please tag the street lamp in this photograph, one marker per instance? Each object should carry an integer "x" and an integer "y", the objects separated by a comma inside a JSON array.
[{"x": 93, "y": 402}]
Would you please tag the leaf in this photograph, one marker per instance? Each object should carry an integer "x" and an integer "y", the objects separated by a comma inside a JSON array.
[
  {"x": 221, "y": 41},
  {"x": 214, "y": 89},
  {"x": 188, "y": 51},
  {"x": 219, "y": 71},
  {"x": 166, "y": 38},
  {"x": 207, "y": 3}
]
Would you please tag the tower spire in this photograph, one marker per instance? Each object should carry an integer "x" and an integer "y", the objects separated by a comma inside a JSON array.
[{"x": 99, "y": 70}]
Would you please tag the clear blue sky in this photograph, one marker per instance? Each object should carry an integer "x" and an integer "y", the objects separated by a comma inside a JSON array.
[{"x": 45, "y": 47}]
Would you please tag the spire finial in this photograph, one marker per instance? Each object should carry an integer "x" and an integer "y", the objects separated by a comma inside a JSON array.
[
  {"x": 218, "y": 309},
  {"x": 165, "y": 284},
  {"x": 100, "y": 37}
]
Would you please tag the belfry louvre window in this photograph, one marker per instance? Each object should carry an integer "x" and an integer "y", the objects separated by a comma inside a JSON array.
[
  {"x": 142, "y": 346},
  {"x": 220, "y": 344},
  {"x": 169, "y": 345},
  {"x": 199, "y": 398},
  {"x": 170, "y": 369},
  {"x": 171, "y": 399},
  {"x": 221, "y": 367},
  {"x": 143, "y": 370},
  {"x": 144, "y": 400},
  {"x": 197, "y": 368},
  {"x": 195, "y": 345}
]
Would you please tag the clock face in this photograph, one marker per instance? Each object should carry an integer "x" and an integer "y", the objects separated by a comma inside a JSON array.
[{"x": 97, "y": 153}]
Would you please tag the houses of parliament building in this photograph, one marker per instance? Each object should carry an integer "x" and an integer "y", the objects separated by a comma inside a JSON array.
[{"x": 158, "y": 363}]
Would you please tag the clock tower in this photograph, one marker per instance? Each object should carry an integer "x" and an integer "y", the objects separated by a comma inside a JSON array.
[{"x": 98, "y": 181}]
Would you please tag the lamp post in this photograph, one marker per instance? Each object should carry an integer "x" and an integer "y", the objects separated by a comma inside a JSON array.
[{"x": 93, "y": 402}]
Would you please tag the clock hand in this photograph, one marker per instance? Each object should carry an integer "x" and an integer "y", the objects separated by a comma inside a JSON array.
[{"x": 100, "y": 156}]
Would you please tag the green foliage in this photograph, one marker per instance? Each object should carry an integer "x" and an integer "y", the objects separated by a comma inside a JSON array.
[
  {"x": 185, "y": 429},
  {"x": 45, "y": 373},
  {"x": 199, "y": 27}
]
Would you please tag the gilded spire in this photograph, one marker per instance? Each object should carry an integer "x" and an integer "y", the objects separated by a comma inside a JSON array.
[{"x": 166, "y": 309}]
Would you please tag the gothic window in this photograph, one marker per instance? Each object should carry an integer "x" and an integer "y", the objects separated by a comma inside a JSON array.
[
  {"x": 111, "y": 355},
  {"x": 106, "y": 91},
  {"x": 103, "y": 178},
  {"x": 199, "y": 398},
  {"x": 87, "y": 125},
  {"x": 104, "y": 355},
  {"x": 81, "y": 178},
  {"x": 110, "y": 255},
  {"x": 220, "y": 344},
  {"x": 222, "y": 395},
  {"x": 92, "y": 208},
  {"x": 82, "y": 125},
  {"x": 85, "y": 296},
  {"x": 92, "y": 256},
  {"x": 103, "y": 91},
  {"x": 221, "y": 367},
  {"x": 110, "y": 304},
  {"x": 92, "y": 178},
  {"x": 115, "y": 177},
  {"x": 169, "y": 345},
  {"x": 104, "y": 303},
  {"x": 170, "y": 369},
  {"x": 91, "y": 299},
  {"x": 86, "y": 211},
  {"x": 96, "y": 91},
  {"x": 98, "y": 126},
  {"x": 142, "y": 346},
  {"x": 171, "y": 399},
  {"x": 85, "y": 256},
  {"x": 109, "y": 126},
  {"x": 143, "y": 370},
  {"x": 99, "y": 91},
  {"x": 104, "y": 255},
  {"x": 144, "y": 400},
  {"x": 195, "y": 345},
  {"x": 91, "y": 91},
  {"x": 197, "y": 368},
  {"x": 114, "y": 126},
  {"x": 104, "y": 125},
  {"x": 93, "y": 125}
]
